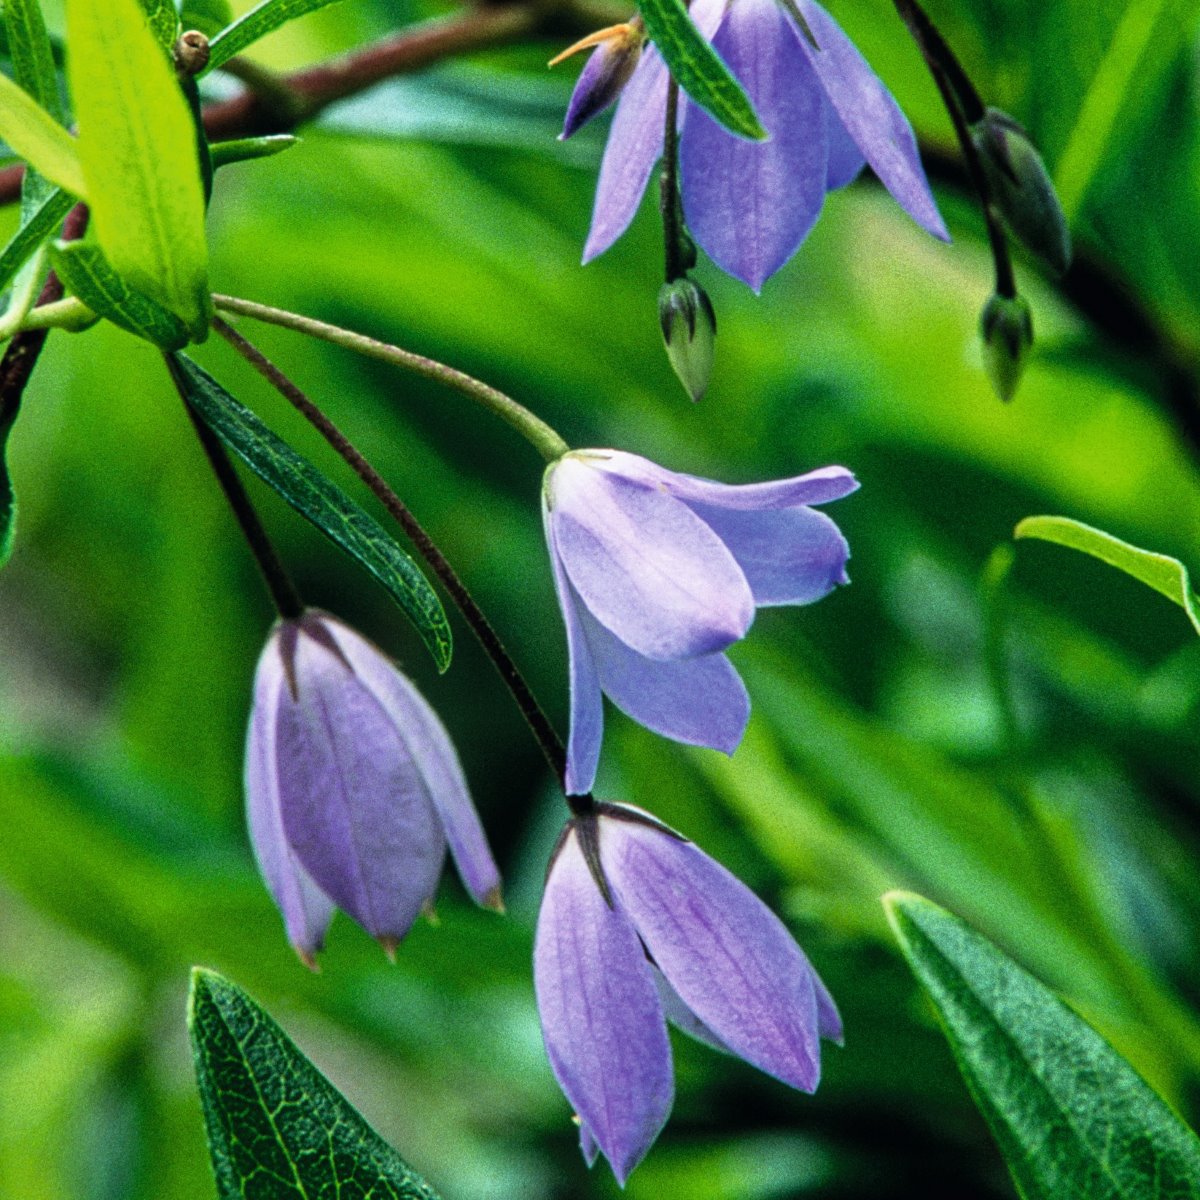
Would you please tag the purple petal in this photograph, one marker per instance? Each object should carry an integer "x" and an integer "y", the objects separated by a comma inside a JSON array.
[
  {"x": 845, "y": 158},
  {"x": 434, "y": 757},
  {"x": 601, "y": 1019},
  {"x": 682, "y": 1017},
  {"x": 634, "y": 146},
  {"x": 306, "y": 910},
  {"x": 751, "y": 204},
  {"x": 872, "y": 117},
  {"x": 817, "y": 487},
  {"x": 727, "y": 955},
  {"x": 607, "y": 70},
  {"x": 707, "y": 15},
  {"x": 587, "y": 1144},
  {"x": 701, "y": 701},
  {"x": 587, "y": 707},
  {"x": 829, "y": 1020},
  {"x": 789, "y": 555},
  {"x": 355, "y": 807},
  {"x": 645, "y": 566}
]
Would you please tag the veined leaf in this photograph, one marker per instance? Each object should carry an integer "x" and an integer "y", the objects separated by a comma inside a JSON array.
[
  {"x": 320, "y": 501},
  {"x": 1159, "y": 571},
  {"x": 137, "y": 145},
  {"x": 259, "y": 21},
  {"x": 1072, "y": 1117},
  {"x": 39, "y": 139},
  {"x": 41, "y": 225},
  {"x": 163, "y": 20},
  {"x": 33, "y": 70},
  {"x": 86, "y": 273},
  {"x": 698, "y": 67},
  {"x": 208, "y": 16},
  {"x": 276, "y": 1125}
]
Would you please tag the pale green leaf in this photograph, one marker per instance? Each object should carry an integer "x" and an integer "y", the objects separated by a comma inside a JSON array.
[
  {"x": 137, "y": 144},
  {"x": 1159, "y": 571},
  {"x": 1072, "y": 1117},
  {"x": 276, "y": 1126},
  {"x": 259, "y": 21},
  {"x": 698, "y": 68},
  {"x": 39, "y": 139}
]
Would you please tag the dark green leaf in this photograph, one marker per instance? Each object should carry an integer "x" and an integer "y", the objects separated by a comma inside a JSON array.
[
  {"x": 32, "y": 54},
  {"x": 163, "y": 19},
  {"x": 244, "y": 149},
  {"x": 86, "y": 273},
  {"x": 259, "y": 21},
  {"x": 698, "y": 68},
  {"x": 208, "y": 16},
  {"x": 320, "y": 501},
  {"x": 1072, "y": 1117},
  {"x": 276, "y": 1126},
  {"x": 42, "y": 224}
]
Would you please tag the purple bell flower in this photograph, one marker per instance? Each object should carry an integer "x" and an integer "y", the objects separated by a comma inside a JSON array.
[
  {"x": 658, "y": 573},
  {"x": 353, "y": 789},
  {"x": 637, "y": 927},
  {"x": 751, "y": 204}
]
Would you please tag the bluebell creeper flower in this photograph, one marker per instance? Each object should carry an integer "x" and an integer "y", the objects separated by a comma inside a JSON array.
[
  {"x": 637, "y": 927},
  {"x": 607, "y": 71},
  {"x": 750, "y": 204},
  {"x": 353, "y": 788},
  {"x": 657, "y": 573}
]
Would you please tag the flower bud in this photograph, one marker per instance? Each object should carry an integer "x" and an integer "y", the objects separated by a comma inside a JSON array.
[
  {"x": 618, "y": 49},
  {"x": 1021, "y": 188},
  {"x": 689, "y": 329},
  {"x": 1007, "y": 328}
]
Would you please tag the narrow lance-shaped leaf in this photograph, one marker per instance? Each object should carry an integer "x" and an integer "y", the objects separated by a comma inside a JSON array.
[
  {"x": 320, "y": 501},
  {"x": 1159, "y": 571},
  {"x": 1072, "y": 1117},
  {"x": 259, "y": 21},
  {"x": 276, "y": 1126},
  {"x": 698, "y": 67},
  {"x": 34, "y": 71},
  {"x": 41, "y": 225},
  {"x": 39, "y": 139},
  {"x": 163, "y": 20},
  {"x": 208, "y": 16},
  {"x": 137, "y": 145}
]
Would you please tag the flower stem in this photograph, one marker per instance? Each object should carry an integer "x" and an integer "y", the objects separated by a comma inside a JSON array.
[
  {"x": 533, "y": 429},
  {"x": 677, "y": 248},
  {"x": 543, "y": 732},
  {"x": 284, "y": 593}
]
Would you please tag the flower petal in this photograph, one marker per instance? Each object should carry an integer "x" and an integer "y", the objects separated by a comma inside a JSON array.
[
  {"x": 634, "y": 146},
  {"x": 701, "y": 701},
  {"x": 355, "y": 808},
  {"x": 587, "y": 706},
  {"x": 682, "y": 1017},
  {"x": 845, "y": 158},
  {"x": 306, "y": 910},
  {"x": 872, "y": 117},
  {"x": 645, "y": 566},
  {"x": 751, "y": 204},
  {"x": 433, "y": 754},
  {"x": 727, "y": 955},
  {"x": 601, "y": 1018},
  {"x": 789, "y": 555}
]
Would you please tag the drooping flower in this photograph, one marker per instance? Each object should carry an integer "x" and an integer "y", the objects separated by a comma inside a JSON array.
[
  {"x": 657, "y": 573},
  {"x": 637, "y": 927},
  {"x": 353, "y": 788},
  {"x": 751, "y": 204}
]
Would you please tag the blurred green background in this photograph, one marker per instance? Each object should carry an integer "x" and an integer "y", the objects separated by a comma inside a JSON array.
[{"x": 441, "y": 214}]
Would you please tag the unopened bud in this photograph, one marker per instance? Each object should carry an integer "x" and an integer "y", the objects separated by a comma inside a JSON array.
[
  {"x": 191, "y": 53},
  {"x": 617, "y": 51},
  {"x": 1007, "y": 328},
  {"x": 689, "y": 329},
  {"x": 1021, "y": 188}
]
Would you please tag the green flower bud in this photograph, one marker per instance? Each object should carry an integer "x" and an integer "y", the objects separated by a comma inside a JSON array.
[
  {"x": 689, "y": 329},
  {"x": 1021, "y": 188},
  {"x": 1007, "y": 328}
]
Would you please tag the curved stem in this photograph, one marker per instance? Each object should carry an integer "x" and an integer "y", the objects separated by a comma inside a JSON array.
[
  {"x": 532, "y": 428},
  {"x": 544, "y": 733}
]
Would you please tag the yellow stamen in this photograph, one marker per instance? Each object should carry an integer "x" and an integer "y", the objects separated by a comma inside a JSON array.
[{"x": 593, "y": 39}]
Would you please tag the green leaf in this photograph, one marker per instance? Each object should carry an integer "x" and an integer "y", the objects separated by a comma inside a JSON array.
[
  {"x": 86, "y": 273},
  {"x": 1072, "y": 1117},
  {"x": 32, "y": 54},
  {"x": 42, "y": 224},
  {"x": 137, "y": 145},
  {"x": 163, "y": 20},
  {"x": 1159, "y": 571},
  {"x": 239, "y": 150},
  {"x": 8, "y": 498},
  {"x": 39, "y": 139},
  {"x": 259, "y": 21},
  {"x": 320, "y": 501},
  {"x": 276, "y": 1126},
  {"x": 208, "y": 16},
  {"x": 698, "y": 68}
]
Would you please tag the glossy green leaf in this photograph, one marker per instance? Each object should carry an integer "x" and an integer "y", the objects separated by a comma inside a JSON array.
[
  {"x": 321, "y": 502},
  {"x": 1159, "y": 571},
  {"x": 276, "y": 1126},
  {"x": 208, "y": 16},
  {"x": 1072, "y": 1117},
  {"x": 42, "y": 224},
  {"x": 137, "y": 145},
  {"x": 39, "y": 139},
  {"x": 698, "y": 67},
  {"x": 32, "y": 54},
  {"x": 86, "y": 273},
  {"x": 258, "y": 22},
  {"x": 163, "y": 20}
]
